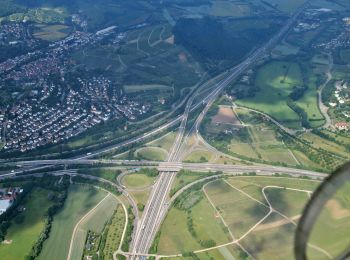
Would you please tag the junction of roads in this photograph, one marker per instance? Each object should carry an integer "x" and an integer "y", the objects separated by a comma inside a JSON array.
[{"x": 158, "y": 203}]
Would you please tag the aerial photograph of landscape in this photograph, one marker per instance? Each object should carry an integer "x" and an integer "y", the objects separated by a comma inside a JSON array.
[{"x": 174, "y": 129}]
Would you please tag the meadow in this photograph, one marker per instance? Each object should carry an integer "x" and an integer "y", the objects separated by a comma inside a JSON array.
[
  {"x": 80, "y": 200},
  {"x": 242, "y": 204},
  {"x": 206, "y": 225},
  {"x": 276, "y": 81},
  {"x": 331, "y": 228},
  {"x": 23, "y": 233}
]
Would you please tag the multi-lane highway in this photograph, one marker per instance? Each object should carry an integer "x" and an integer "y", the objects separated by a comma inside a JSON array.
[{"x": 156, "y": 207}]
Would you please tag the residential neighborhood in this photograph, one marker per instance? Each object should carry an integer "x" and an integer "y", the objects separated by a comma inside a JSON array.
[{"x": 57, "y": 106}]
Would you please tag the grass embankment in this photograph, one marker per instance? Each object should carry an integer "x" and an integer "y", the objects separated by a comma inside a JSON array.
[
  {"x": 137, "y": 181},
  {"x": 151, "y": 153}
]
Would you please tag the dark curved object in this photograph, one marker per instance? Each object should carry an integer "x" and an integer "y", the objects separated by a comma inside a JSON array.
[{"x": 314, "y": 207}]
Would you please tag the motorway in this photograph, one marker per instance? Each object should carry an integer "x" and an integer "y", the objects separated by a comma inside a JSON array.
[{"x": 156, "y": 207}]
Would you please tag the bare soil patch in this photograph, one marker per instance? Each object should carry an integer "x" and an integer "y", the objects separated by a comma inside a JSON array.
[
  {"x": 170, "y": 40},
  {"x": 183, "y": 57},
  {"x": 225, "y": 116},
  {"x": 337, "y": 211},
  {"x": 276, "y": 224}
]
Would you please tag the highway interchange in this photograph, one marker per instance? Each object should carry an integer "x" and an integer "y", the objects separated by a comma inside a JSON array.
[{"x": 158, "y": 203}]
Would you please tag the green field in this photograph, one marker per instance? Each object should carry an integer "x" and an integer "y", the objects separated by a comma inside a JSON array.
[
  {"x": 103, "y": 57},
  {"x": 141, "y": 197},
  {"x": 24, "y": 234},
  {"x": 288, "y": 202},
  {"x": 257, "y": 140},
  {"x": 345, "y": 56},
  {"x": 285, "y": 49},
  {"x": 95, "y": 222},
  {"x": 140, "y": 88},
  {"x": 241, "y": 203},
  {"x": 286, "y": 5},
  {"x": 114, "y": 233},
  {"x": 331, "y": 228},
  {"x": 104, "y": 173},
  {"x": 137, "y": 181},
  {"x": 151, "y": 153},
  {"x": 319, "y": 142},
  {"x": 165, "y": 142},
  {"x": 80, "y": 200},
  {"x": 226, "y": 8},
  {"x": 228, "y": 252},
  {"x": 51, "y": 32},
  {"x": 238, "y": 211},
  {"x": 200, "y": 156},
  {"x": 185, "y": 177},
  {"x": 45, "y": 15},
  {"x": 207, "y": 227},
  {"x": 276, "y": 81}
]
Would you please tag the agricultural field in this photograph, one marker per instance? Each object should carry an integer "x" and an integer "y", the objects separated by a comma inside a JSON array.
[
  {"x": 261, "y": 140},
  {"x": 26, "y": 228},
  {"x": 103, "y": 57},
  {"x": 80, "y": 200},
  {"x": 261, "y": 212},
  {"x": 51, "y": 32},
  {"x": 328, "y": 145},
  {"x": 248, "y": 137},
  {"x": 148, "y": 62},
  {"x": 95, "y": 221}
]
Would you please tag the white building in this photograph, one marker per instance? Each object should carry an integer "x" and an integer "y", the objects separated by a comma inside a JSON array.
[{"x": 4, "y": 205}]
